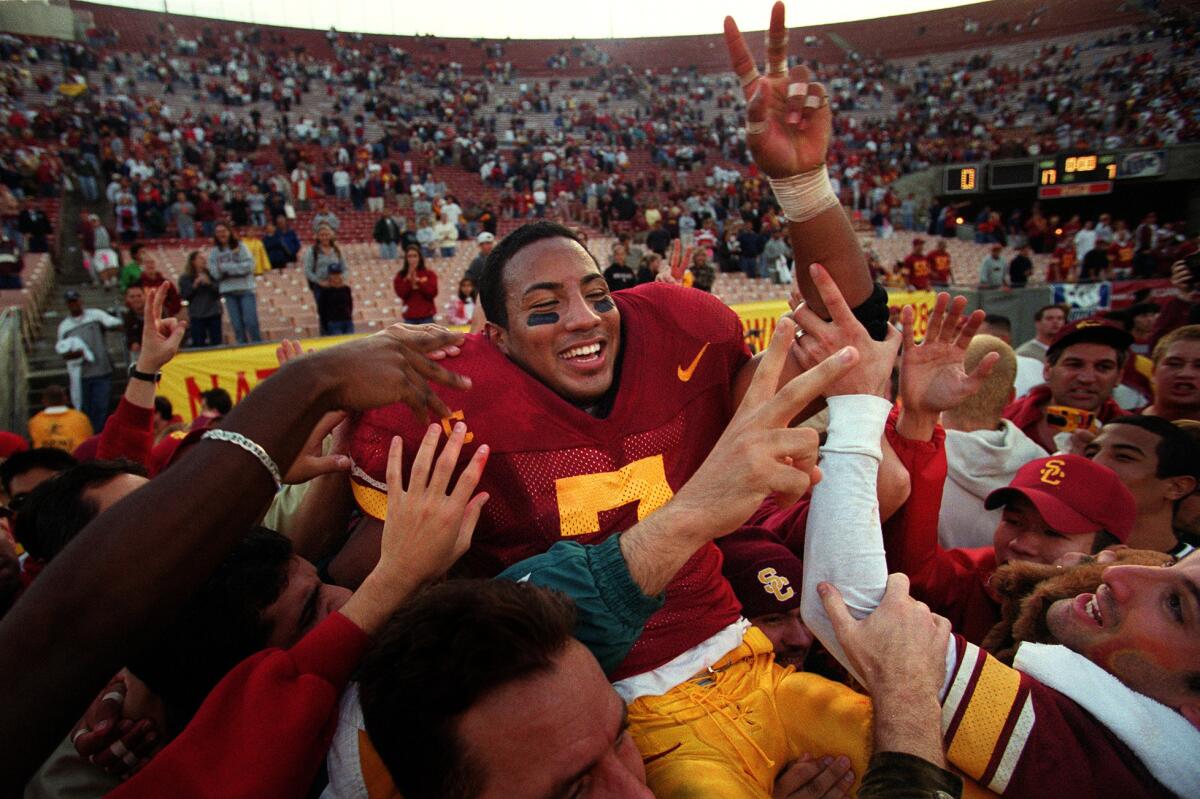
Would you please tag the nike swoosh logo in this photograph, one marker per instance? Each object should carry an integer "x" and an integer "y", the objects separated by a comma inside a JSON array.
[{"x": 686, "y": 374}]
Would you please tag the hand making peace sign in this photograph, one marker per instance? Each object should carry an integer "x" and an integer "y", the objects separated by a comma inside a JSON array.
[{"x": 788, "y": 120}]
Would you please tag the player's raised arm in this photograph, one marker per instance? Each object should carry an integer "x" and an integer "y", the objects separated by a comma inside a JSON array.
[{"x": 788, "y": 128}]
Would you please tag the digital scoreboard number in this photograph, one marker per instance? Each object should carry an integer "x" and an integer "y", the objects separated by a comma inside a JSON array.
[
  {"x": 962, "y": 179},
  {"x": 1076, "y": 175}
]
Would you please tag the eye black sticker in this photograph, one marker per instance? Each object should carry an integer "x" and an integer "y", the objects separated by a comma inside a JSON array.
[
  {"x": 536, "y": 319},
  {"x": 605, "y": 305}
]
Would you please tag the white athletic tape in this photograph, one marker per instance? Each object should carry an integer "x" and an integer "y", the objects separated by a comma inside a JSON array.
[{"x": 806, "y": 195}]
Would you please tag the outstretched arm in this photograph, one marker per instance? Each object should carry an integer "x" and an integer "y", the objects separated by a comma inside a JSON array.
[{"x": 135, "y": 565}]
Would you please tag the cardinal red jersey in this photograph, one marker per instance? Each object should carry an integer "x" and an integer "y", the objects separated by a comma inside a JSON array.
[
  {"x": 941, "y": 266},
  {"x": 556, "y": 472},
  {"x": 1121, "y": 254},
  {"x": 916, "y": 270}
]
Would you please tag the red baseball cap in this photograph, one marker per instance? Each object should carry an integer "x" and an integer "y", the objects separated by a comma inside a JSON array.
[
  {"x": 1094, "y": 331},
  {"x": 765, "y": 575},
  {"x": 1074, "y": 495}
]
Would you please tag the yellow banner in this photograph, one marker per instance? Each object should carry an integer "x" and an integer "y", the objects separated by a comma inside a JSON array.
[
  {"x": 758, "y": 318},
  {"x": 240, "y": 369},
  {"x": 235, "y": 369}
]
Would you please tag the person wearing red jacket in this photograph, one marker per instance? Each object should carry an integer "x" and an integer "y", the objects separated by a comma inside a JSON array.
[
  {"x": 1083, "y": 366},
  {"x": 417, "y": 286}
]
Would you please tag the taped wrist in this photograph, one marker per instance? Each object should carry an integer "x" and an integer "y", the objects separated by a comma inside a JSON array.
[
  {"x": 805, "y": 196},
  {"x": 873, "y": 313}
]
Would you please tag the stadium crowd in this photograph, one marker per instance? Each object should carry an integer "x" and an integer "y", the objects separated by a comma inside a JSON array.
[{"x": 594, "y": 547}]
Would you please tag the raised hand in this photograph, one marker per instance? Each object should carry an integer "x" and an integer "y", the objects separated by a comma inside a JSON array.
[
  {"x": 430, "y": 522},
  {"x": 679, "y": 259},
  {"x": 758, "y": 446},
  {"x": 788, "y": 120},
  {"x": 428, "y": 527},
  {"x": 932, "y": 378},
  {"x": 160, "y": 337},
  {"x": 818, "y": 339}
]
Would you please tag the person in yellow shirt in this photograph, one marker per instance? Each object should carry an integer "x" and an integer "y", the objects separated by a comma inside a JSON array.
[{"x": 59, "y": 425}]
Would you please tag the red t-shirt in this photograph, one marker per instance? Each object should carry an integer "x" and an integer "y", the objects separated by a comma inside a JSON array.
[{"x": 555, "y": 472}]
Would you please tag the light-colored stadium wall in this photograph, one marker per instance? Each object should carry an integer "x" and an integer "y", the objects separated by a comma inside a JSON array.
[{"x": 37, "y": 19}]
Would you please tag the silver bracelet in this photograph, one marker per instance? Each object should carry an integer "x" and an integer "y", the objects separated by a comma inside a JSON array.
[{"x": 250, "y": 446}]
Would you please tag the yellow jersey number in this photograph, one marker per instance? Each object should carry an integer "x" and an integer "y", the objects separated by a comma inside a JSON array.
[{"x": 583, "y": 497}]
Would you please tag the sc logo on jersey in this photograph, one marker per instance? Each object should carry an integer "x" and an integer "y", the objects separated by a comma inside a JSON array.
[
  {"x": 776, "y": 584},
  {"x": 1052, "y": 473}
]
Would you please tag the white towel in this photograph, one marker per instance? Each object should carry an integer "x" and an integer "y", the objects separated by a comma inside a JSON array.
[{"x": 1162, "y": 739}]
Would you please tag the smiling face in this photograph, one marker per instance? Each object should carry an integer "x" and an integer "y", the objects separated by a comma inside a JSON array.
[
  {"x": 1143, "y": 626},
  {"x": 1177, "y": 377},
  {"x": 1024, "y": 535},
  {"x": 563, "y": 327},
  {"x": 1084, "y": 376},
  {"x": 560, "y": 733}
]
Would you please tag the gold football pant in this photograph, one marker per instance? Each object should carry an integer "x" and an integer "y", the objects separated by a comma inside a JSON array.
[{"x": 728, "y": 733}]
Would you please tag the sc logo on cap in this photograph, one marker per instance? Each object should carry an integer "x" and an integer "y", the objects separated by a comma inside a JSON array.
[
  {"x": 776, "y": 585},
  {"x": 1052, "y": 473}
]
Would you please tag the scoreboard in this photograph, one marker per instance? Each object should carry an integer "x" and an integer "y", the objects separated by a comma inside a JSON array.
[
  {"x": 1077, "y": 175},
  {"x": 1072, "y": 174}
]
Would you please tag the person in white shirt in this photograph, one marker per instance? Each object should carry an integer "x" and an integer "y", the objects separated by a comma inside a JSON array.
[
  {"x": 341, "y": 184},
  {"x": 983, "y": 449},
  {"x": 447, "y": 236},
  {"x": 88, "y": 326},
  {"x": 1085, "y": 240}
]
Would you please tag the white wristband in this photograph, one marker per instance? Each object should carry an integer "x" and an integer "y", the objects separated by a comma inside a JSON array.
[
  {"x": 253, "y": 448},
  {"x": 805, "y": 196}
]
